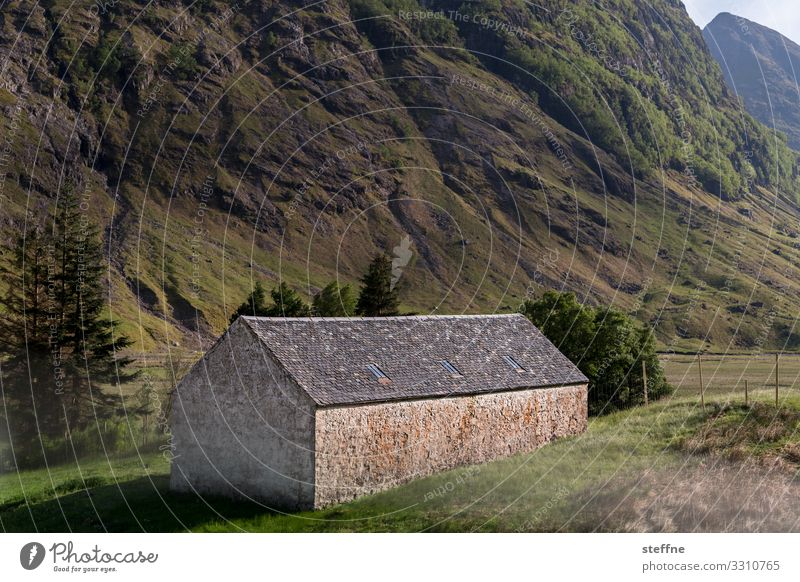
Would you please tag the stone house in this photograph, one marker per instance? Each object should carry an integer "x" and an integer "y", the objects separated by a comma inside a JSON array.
[{"x": 306, "y": 412}]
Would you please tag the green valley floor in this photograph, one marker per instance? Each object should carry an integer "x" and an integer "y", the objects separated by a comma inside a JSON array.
[{"x": 668, "y": 467}]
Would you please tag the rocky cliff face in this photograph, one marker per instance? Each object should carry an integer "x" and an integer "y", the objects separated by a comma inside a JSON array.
[
  {"x": 509, "y": 147},
  {"x": 761, "y": 66}
]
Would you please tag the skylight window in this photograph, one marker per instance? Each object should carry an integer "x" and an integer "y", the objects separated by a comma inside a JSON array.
[
  {"x": 513, "y": 363},
  {"x": 377, "y": 372},
  {"x": 450, "y": 368}
]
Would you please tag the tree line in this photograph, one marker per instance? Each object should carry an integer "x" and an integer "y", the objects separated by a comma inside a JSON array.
[
  {"x": 607, "y": 345},
  {"x": 378, "y": 297}
]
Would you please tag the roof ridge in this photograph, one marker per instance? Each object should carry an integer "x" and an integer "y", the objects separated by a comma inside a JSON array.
[{"x": 384, "y": 318}]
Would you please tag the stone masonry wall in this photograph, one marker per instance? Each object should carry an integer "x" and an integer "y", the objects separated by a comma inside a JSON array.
[
  {"x": 242, "y": 428},
  {"x": 364, "y": 449}
]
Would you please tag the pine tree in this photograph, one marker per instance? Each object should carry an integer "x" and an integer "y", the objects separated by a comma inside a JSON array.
[
  {"x": 334, "y": 301},
  {"x": 255, "y": 304},
  {"x": 378, "y": 297},
  {"x": 287, "y": 303},
  {"x": 58, "y": 349},
  {"x": 31, "y": 374},
  {"x": 86, "y": 338}
]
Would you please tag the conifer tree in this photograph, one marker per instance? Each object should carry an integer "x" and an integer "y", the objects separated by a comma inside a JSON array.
[
  {"x": 58, "y": 349},
  {"x": 255, "y": 304},
  {"x": 334, "y": 301},
  {"x": 86, "y": 339},
  {"x": 287, "y": 303},
  {"x": 378, "y": 297},
  {"x": 31, "y": 375}
]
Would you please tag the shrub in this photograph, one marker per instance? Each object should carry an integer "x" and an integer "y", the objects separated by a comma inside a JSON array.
[
  {"x": 182, "y": 61},
  {"x": 607, "y": 345}
]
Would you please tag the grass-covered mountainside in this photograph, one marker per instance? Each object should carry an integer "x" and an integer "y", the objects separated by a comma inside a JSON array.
[
  {"x": 511, "y": 147},
  {"x": 762, "y": 67}
]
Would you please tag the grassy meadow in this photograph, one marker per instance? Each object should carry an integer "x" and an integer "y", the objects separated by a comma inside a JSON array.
[
  {"x": 725, "y": 375},
  {"x": 667, "y": 467}
]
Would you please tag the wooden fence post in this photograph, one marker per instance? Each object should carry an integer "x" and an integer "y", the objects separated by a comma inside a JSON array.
[
  {"x": 702, "y": 389},
  {"x": 776, "y": 379},
  {"x": 644, "y": 381}
]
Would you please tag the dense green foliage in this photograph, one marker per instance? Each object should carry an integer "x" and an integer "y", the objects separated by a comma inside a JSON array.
[
  {"x": 285, "y": 303},
  {"x": 334, "y": 301},
  {"x": 255, "y": 304},
  {"x": 59, "y": 351},
  {"x": 378, "y": 297},
  {"x": 608, "y": 347}
]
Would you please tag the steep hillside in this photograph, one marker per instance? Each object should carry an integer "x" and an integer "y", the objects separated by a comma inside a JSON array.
[
  {"x": 762, "y": 67},
  {"x": 516, "y": 146}
]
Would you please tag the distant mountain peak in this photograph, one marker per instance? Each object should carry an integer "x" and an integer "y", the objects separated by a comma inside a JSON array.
[
  {"x": 762, "y": 67},
  {"x": 727, "y": 16}
]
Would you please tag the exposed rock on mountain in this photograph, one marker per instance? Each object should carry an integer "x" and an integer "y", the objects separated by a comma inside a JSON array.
[
  {"x": 762, "y": 67},
  {"x": 520, "y": 146}
]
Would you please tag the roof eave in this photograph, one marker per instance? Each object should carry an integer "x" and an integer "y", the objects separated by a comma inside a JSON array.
[{"x": 348, "y": 404}]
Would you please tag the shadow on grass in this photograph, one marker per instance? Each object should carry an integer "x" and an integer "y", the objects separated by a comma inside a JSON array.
[{"x": 139, "y": 505}]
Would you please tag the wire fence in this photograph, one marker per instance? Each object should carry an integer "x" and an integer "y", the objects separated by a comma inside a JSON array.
[{"x": 734, "y": 376}]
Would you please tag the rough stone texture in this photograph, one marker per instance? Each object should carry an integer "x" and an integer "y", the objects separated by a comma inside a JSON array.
[
  {"x": 364, "y": 449},
  {"x": 241, "y": 427}
]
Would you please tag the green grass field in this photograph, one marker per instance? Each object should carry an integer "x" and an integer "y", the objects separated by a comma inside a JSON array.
[
  {"x": 631, "y": 471},
  {"x": 725, "y": 376}
]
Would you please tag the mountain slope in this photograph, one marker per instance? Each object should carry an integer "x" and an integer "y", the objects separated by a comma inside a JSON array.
[
  {"x": 762, "y": 67},
  {"x": 220, "y": 144}
]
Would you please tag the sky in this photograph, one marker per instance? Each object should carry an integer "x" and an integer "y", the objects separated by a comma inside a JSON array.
[{"x": 780, "y": 15}]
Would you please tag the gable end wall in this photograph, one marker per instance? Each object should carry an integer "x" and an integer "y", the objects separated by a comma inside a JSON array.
[{"x": 242, "y": 428}]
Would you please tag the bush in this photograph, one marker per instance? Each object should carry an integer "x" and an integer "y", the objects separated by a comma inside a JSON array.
[
  {"x": 181, "y": 60},
  {"x": 115, "y": 58},
  {"x": 607, "y": 345}
]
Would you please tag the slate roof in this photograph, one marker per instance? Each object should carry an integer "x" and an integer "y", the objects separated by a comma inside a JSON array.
[{"x": 328, "y": 357}]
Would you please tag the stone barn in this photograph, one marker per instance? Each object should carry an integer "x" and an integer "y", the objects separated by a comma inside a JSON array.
[{"x": 301, "y": 413}]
